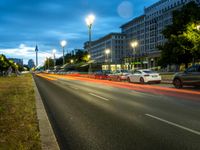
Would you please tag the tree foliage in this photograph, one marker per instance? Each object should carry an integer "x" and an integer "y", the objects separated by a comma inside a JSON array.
[
  {"x": 182, "y": 36},
  {"x": 5, "y": 63}
]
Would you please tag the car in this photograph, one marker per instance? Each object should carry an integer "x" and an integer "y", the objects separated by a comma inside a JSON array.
[
  {"x": 100, "y": 75},
  {"x": 190, "y": 76},
  {"x": 144, "y": 76},
  {"x": 119, "y": 75}
]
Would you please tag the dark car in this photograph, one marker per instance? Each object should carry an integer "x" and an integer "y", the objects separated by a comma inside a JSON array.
[
  {"x": 189, "y": 77},
  {"x": 100, "y": 75}
]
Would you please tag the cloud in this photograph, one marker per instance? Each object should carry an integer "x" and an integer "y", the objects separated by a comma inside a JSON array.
[
  {"x": 26, "y": 52},
  {"x": 46, "y": 22}
]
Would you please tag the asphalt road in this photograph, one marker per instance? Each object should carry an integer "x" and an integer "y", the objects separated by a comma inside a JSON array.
[{"x": 91, "y": 116}]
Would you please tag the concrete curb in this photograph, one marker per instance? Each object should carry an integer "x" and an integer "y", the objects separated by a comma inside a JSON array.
[{"x": 47, "y": 137}]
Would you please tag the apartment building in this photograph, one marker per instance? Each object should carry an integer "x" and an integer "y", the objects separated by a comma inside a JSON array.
[{"x": 114, "y": 42}]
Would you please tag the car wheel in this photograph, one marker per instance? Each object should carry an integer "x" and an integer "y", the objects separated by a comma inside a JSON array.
[
  {"x": 178, "y": 83},
  {"x": 129, "y": 80},
  {"x": 141, "y": 80}
]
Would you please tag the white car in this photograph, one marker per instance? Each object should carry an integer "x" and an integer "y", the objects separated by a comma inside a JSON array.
[{"x": 144, "y": 76}]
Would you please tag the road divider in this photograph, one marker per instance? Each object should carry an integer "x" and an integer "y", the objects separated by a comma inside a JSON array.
[{"x": 174, "y": 124}]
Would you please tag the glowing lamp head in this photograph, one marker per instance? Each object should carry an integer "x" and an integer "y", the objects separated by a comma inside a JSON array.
[
  {"x": 134, "y": 44},
  {"x": 88, "y": 56},
  {"x": 107, "y": 51},
  {"x": 72, "y": 61},
  {"x": 63, "y": 43},
  {"x": 198, "y": 27},
  {"x": 90, "y": 20}
]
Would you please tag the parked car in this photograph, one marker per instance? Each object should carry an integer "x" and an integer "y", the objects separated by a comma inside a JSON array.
[
  {"x": 119, "y": 75},
  {"x": 191, "y": 76},
  {"x": 144, "y": 76},
  {"x": 100, "y": 75}
]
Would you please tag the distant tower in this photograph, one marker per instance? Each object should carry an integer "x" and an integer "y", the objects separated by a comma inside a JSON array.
[{"x": 36, "y": 51}]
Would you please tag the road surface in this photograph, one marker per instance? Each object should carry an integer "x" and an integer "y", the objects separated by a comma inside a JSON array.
[{"x": 93, "y": 116}]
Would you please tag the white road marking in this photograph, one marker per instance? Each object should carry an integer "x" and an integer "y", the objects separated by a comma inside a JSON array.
[
  {"x": 174, "y": 124},
  {"x": 98, "y": 96},
  {"x": 74, "y": 88}
]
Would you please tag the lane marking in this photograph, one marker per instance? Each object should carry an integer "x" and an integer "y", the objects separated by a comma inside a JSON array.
[
  {"x": 174, "y": 124},
  {"x": 99, "y": 96},
  {"x": 74, "y": 88}
]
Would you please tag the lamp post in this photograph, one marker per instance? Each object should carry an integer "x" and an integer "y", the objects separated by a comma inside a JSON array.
[
  {"x": 89, "y": 21},
  {"x": 63, "y": 43},
  {"x": 54, "y": 57},
  {"x": 134, "y": 44},
  {"x": 107, "y": 52}
]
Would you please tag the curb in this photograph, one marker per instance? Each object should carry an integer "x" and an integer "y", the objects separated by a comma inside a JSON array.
[{"x": 47, "y": 137}]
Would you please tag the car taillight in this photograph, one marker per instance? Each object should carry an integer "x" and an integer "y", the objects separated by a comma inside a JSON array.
[{"x": 146, "y": 75}]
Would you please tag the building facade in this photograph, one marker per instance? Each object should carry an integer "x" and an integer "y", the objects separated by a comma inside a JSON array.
[
  {"x": 114, "y": 42},
  {"x": 135, "y": 31},
  {"x": 146, "y": 30},
  {"x": 157, "y": 17}
]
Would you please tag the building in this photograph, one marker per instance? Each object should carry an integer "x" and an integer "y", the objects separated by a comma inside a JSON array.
[
  {"x": 114, "y": 42},
  {"x": 31, "y": 63},
  {"x": 147, "y": 28},
  {"x": 135, "y": 31},
  {"x": 17, "y": 61}
]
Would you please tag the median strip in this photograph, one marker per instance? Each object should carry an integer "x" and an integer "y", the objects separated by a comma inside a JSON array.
[
  {"x": 99, "y": 97},
  {"x": 174, "y": 124}
]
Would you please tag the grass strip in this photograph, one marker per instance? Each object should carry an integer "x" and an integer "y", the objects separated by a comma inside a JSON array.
[{"x": 18, "y": 120}]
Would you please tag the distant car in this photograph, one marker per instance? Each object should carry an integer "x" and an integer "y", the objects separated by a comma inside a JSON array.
[
  {"x": 144, "y": 76},
  {"x": 100, "y": 75},
  {"x": 189, "y": 77},
  {"x": 119, "y": 75}
]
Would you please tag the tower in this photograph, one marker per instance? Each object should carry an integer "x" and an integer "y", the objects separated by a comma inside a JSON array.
[{"x": 36, "y": 51}]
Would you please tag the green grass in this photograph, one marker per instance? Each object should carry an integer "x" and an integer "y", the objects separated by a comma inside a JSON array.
[{"x": 18, "y": 121}]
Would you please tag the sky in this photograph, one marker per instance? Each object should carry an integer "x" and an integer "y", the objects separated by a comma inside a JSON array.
[{"x": 25, "y": 23}]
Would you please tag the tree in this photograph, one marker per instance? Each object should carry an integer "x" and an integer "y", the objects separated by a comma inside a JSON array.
[
  {"x": 180, "y": 46},
  {"x": 49, "y": 63}
]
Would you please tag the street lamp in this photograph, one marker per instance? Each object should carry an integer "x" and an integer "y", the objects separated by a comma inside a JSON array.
[
  {"x": 107, "y": 52},
  {"x": 71, "y": 61},
  {"x": 88, "y": 56},
  {"x": 89, "y": 21},
  {"x": 63, "y": 43},
  {"x": 134, "y": 44},
  {"x": 198, "y": 27},
  {"x": 54, "y": 57}
]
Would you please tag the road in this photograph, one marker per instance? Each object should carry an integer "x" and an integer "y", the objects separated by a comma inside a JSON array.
[{"x": 93, "y": 116}]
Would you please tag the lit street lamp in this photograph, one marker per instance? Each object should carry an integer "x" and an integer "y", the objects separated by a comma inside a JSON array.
[
  {"x": 88, "y": 56},
  {"x": 107, "y": 52},
  {"x": 198, "y": 27},
  {"x": 71, "y": 61},
  {"x": 89, "y": 21},
  {"x": 134, "y": 44},
  {"x": 63, "y": 43},
  {"x": 54, "y": 57}
]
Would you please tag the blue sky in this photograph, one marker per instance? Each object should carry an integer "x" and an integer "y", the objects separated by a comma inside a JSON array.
[{"x": 23, "y": 23}]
